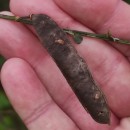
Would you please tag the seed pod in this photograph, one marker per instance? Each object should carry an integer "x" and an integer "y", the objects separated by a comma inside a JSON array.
[{"x": 72, "y": 66}]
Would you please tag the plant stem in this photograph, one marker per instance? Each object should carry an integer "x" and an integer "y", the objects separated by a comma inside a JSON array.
[
  {"x": 107, "y": 37},
  {"x": 25, "y": 20}
]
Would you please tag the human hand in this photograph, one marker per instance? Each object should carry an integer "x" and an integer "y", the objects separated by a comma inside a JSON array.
[{"x": 34, "y": 84}]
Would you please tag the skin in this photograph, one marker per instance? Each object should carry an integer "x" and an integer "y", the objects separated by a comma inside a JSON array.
[{"x": 34, "y": 84}]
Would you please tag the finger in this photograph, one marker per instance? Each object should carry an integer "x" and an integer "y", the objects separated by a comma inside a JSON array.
[
  {"x": 30, "y": 99},
  {"x": 33, "y": 53},
  {"x": 125, "y": 124},
  {"x": 102, "y": 16},
  {"x": 89, "y": 11}
]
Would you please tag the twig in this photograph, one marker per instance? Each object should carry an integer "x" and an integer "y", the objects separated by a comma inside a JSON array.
[
  {"x": 77, "y": 35},
  {"x": 107, "y": 37}
]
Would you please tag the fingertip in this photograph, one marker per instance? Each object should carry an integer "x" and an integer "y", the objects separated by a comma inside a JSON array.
[{"x": 7, "y": 70}]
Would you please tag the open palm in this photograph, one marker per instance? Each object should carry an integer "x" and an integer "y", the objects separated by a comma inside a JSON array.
[{"x": 34, "y": 84}]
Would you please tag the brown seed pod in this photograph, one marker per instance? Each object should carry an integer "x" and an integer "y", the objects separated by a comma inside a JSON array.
[{"x": 73, "y": 67}]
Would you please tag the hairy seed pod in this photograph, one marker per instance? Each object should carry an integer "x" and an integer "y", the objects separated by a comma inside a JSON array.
[{"x": 73, "y": 67}]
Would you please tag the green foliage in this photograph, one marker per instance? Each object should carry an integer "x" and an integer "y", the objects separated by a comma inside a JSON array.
[
  {"x": 128, "y": 1},
  {"x": 4, "y": 103},
  {"x": 4, "y": 5}
]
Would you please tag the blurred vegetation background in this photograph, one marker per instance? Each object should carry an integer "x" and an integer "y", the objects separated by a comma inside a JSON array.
[
  {"x": 9, "y": 120},
  {"x": 4, "y": 5},
  {"x": 128, "y": 1}
]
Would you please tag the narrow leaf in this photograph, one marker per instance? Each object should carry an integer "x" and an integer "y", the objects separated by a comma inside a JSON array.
[{"x": 77, "y": 38}]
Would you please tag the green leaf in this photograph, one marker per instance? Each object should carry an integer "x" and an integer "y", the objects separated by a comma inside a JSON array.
[{"x": 77, "y": 38}]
